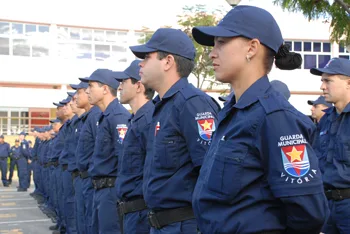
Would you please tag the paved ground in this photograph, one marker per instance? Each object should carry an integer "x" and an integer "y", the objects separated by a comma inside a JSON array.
[{"x": 19, "y": 212}]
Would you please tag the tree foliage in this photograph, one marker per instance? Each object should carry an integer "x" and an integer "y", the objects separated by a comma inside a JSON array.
[
  {"x": 338, "y": 12},
  {"x": 194, "y": 16}
]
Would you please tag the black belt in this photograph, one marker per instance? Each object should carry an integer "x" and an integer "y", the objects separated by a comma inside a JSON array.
[
  {"x": 103, "y": 182},
  {"x": 131, "y": 206},
  {"x": 337, "y": 194},
  {"x": 64, "y": 167},
  {"x": 84, "y": 174},
  {"x": 75, "y": 174},
  {"x": 159, "y": 219},
  {"x": 55, "y": 164}
]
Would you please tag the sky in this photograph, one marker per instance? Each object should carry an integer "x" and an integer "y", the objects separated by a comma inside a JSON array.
[{"x": 119, "y": 14}]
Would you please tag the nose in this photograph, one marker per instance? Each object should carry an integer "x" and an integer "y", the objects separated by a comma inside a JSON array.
[{"x": 213, "y": 53}]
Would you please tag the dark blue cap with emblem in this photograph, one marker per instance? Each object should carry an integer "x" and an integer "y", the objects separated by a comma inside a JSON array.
[
  {"x": 173, "y": 41},
  {"x": 104, "y": 76},
  {"x": 319, "y": 100},
  {"x": 243, "y": 21},
  {"x": 335, "y": 66},
  {"x": 133, "y": 71},
  {"x": 66, "y": 101},
  {"x": 81, "y": 85}
]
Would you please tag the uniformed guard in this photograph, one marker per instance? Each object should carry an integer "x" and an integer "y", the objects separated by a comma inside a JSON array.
[
  {"x": 76, "y": 126},
  {"x": 132, "y": 207},
  {"x": 4, "y": 155},
  {"x": 84, "y": 151},
  {"x": 102, "y": 92},
  {"x": 34, "y": 162},
  {"x": 67, "y": 182},
  {"x": 180, "y": 132},
  {"x": 317, "y": 108},
  {"x": 260, "y": 174},
  {"x": 333, "y": 143},
  {"x": 38, "y": 192},
  {"x": 30, "y": 165}
]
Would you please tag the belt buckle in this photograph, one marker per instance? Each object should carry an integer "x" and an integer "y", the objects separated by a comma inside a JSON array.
[
  {"x": 153, "y": 221},
  {"x": 121, "y": 206}
]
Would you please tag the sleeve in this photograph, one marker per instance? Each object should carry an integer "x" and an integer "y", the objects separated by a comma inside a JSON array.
[
  {"x": 25, "y": 149},
  {"x": 292, "y": 170},
  {"x": 119, "y": 126},
  {"x": 197, "y": 122},
  {"x": 9, "y": 150}
]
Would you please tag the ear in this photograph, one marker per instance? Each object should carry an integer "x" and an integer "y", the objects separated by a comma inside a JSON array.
[
  {"x": 254, "y": 47},
  {"x": 169, "y": 62},
  {"x": 139, "y": 87}
]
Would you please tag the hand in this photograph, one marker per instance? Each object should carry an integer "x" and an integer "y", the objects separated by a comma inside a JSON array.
[{"x": 29, "y": 161}]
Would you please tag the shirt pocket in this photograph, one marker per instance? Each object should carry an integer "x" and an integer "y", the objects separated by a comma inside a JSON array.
[
  {"x": 167, "y": 153},
  {"x": 225, "y": 175},
  {"x": 343, "y": 150},
  {"x": 133, "y": 161}
]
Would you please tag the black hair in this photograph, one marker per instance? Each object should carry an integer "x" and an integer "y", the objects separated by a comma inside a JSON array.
[
  {"x": 149, "y": 93},
  {"x": 286, "y": 60},
  {"x": 113, "y": 91},
  {"x": 184, "y": 65}
]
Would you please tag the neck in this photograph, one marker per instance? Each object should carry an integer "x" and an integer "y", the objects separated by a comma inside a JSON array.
[
  {"x": 340, "y": 106},
  {"x": 87, "y": 107},
  {"x": 105, "y": 102},
  {"x": 137, "y": 103},
  {"x": 168, "y": 82},
  {"x": 79, "y": 112},
  {"x": 70, "y": 116}
]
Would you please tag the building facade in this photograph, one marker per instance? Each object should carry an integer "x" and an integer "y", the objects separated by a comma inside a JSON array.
[{"x": 41, "y": 56}]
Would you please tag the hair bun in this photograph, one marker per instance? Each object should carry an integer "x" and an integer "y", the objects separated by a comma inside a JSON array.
[{"x": 286, "y": 60}]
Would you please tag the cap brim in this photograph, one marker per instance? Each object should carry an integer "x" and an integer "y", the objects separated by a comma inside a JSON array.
[
  {"x": 120, "y": 76},
  {"x": 57, "y": 104},
  {"x": 86, "y": 80},
  {"x": 223, "y": 99},
  {"x": 140, "y": 51},
  {"x": 320, "y": 71},
  {"x": 74, "y": 86},
  {"x": 310, "y": 102},
  {"x": 205, "y": 35}
]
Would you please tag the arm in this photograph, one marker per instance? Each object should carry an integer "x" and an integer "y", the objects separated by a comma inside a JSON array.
[{"x": 292, "y": 170}]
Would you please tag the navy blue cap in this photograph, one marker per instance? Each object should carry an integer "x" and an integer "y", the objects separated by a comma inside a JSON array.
[
  {"x": 2, "y": 136},
  {"x": 22, "y": 133},
  {"x": 169, "y": 40},
  {"x": 71, "y": 94},
  {"x": 319, "y": 100},
  {"x": 16, "y": 140},
  {"x": 281, "y": 87},
  {"x": 55, "y": 121},
  {"x": 58, "y": 104},
  {"x": 48, "y": 128},
  {"x": 104, "y": 76},
  {"x": 133, "y": 71},
  {"x": 243, "y": 21},
  {"x": 81, "y": 85},
  {"x": 335, "y": 66},
  {"x": 41, "y": 130},
  {"x": 65, "y": 101}
]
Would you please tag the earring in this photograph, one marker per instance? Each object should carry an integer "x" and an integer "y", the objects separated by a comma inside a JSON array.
[{"x": 248, "y": 59}]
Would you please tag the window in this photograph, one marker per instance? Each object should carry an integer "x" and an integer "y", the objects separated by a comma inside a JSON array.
[
  {"x": 343, "y": 52},
  {"x": 4, "y": 46},
  {"x": 102, "y": 52},
  {"x": 86, "y": 34},
  {"x": 83, "y": 51},
  {"x": 4, "y": 28},
  {"x": 17, "y": 28},
  {"x": 21, "y": 47},
  {"x": 99, "y": 35},
  {"x": 74, "y": 33},
  {"x": 314, "y": 53},
  {"x": 30, "y": 29}
]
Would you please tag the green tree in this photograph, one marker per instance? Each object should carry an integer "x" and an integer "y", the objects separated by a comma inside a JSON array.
[
  {"x": 338, "y": 11},
  {"x": 193, "y": 16}
]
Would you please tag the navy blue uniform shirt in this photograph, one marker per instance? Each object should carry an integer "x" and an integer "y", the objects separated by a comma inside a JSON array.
[
  {"x": 108, "y": 140},
  {"x": 15, "y": 152},
  {"x": 133, "y": 153},
  {"x": 25, "y": 149},
  {"x": 75, "y": 128},
  {"x": 86, "y": 142},
  {"x": 34, "y": 153},
  {"x": 4, "y": 150},
  {"x": 333, "y": 146},
  {"x": 59, "y": 143},
  {"x": 66, "y": 131},
  {"x": 44, "y": 149},
  {"x": 260, "y": 172},
  {"x": 179, "y": 136}
]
